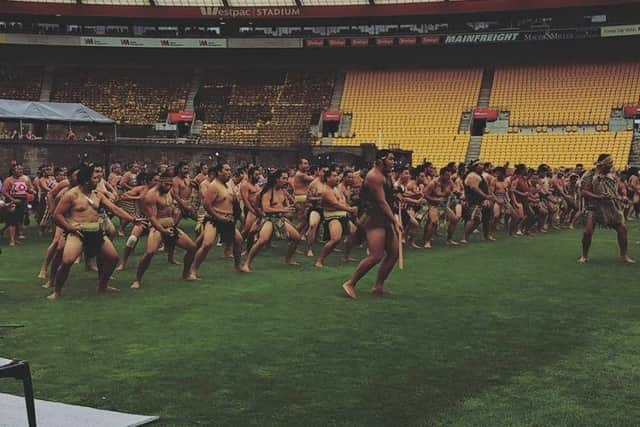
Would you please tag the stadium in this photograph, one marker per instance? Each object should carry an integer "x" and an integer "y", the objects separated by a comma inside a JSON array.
[{"x": 470, "y": 165}]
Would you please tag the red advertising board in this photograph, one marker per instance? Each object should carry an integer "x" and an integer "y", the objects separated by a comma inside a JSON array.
[
  {"x": 407, "y": 41},
  {"x": 384, "y": 41},
  {"x": 430, "y": 40},
  {"x": 631, "y": 110},
  {"x": 181, "y": 116},
  {"x": 331, "y": 116},
  {"x": 337, "y": 42},
  {"x": 314, "y": 42},
  {"x": 485, "y": 113},
  {"x": 360, "y": 42}
]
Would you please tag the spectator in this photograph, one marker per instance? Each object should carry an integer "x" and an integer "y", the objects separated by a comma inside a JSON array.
[
  {"x": 100, "y": 137},
  {"x": 71, "y": 135},
  {"x": 14, "y": 134},
  {"x": 29, "y": 135},
  {"x": 89, "y": 137}
]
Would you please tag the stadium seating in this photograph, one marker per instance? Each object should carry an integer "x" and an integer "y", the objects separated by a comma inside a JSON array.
[
  {"x": 272, "y": 107},
  {"x": 559, "y": 149},
  {"x": 576, "y": 94},
  {"x": 21, "y": 83},
  {"x": 128, "y": 96},
  {"x": 417, "y": 110}
]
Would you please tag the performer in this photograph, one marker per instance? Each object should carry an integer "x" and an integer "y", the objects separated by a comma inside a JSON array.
[
  {"x": 383, "y": 229},
  {"x": 314, "y": 213},
  {"x": 438, "y": 194},
  {"x": 77, "y": 214},
  {"x": 602, "y": 206},
  {"x": 158, "y": 204},
  {"x": 300, "y": 184},
  {"x": 218, "y": 203},
  {"x": 274, "y": 203},
  {"x": 499, "y": 187},
  {"x": 128, "y": 181},
  {"x": 51, "y": 201},
  {"x": 141, "y": 223},
  {"x": 16, "y": 189},
  {"x": 249, "y": 192},
  {"x": 478, "y": 202},
  {"x": 336, "y": 214}
]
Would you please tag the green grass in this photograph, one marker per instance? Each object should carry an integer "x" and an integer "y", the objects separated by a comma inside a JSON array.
[{"x": 512, "y": 333}]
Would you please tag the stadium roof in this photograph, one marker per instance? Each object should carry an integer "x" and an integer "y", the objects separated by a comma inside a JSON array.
[
  {"x": 50, "y": 112},
  {"x": 268, "y": 3}
]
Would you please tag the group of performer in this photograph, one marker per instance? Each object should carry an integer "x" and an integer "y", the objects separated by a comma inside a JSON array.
[{"x": 383, "y": 207}]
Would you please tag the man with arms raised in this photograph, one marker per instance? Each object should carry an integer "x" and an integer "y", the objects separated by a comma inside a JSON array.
[
  {"x": 78, "y": 215},
  {"x": 437, "y": 194}
]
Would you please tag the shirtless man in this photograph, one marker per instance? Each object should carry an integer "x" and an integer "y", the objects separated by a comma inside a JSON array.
[
  {"x": 314, "y": 216},
  {"x": 519, "y": 190},
  {"x": 129, "y": 180},
  {"x": 300, "y": 184},
  {"x": 499, "y": 187},
  {"x": 479, "y": 202},
  {"x": 249, "y": 192},
  {"x": 45, "y": 183},
  {"x": 181, "y": 190},
  {"x": 438, "y": 193},
  {"x": 54, "y": 250},
  {"x": 16, "y": 189},
  {"x": 141, "y": 223},
  {"x": 157, "y": 203},
  {"x": 382, "y": 227},
  {"x": 77, "y": 214},
  {"x": 412, "y": 200},
  {"x": 336, "y": 213},
  {"x": 275, "y": 205},
  {"x": 218, "y": 203}
]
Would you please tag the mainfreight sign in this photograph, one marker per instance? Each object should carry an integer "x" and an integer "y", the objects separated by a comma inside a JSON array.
[
  {"x": 481, "y": 38},
  {"x": 250, "y": 12}
]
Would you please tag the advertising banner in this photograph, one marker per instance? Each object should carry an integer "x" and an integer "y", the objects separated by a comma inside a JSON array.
[
  {"x": 499, "y": 37},
  {"x": 251, "y": 12},
  {"x": 153, "y": 42},
  {"x": 314, "y": 42},
  {"x": 427, "y": 40},
  {"x": 384, "y": 41},
  {"x": 620, "y": 30},
  {"x": 360, "y": 42},
  {"x": 407, "y": 41},
  {"x": 337, "y": 42}
]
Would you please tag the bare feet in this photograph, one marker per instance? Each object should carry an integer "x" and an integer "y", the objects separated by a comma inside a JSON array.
[
  {"x": 583, "y": 260},
  {"x": 349, "y": 259},
  {"x": 628, "y": 259},
  {"x": 48, "y": 285},
  {"x": 414, "y": 245},
  {"x": 491, "y": 239},
  {"x": 310, "y": 253},
  {"x": 245, "y": 268},
  {"x": 191, "y": 277},
  {"x": 349, "y": 289},
  {"x": 54, "y": 295},
  {"x": 42, "y": 274},
  {"x": 108, "y": 289},
  {"x": 427, "y": 245},
  {"x": 378, "y": 291},
  {"x": 135, "y": 285},
  {"x": 463, "y": 242},
  {"x": 174, "y": 262},
  {"x": 452, "y": 243},
  {"x": 319, "y": 264},
  {"x": 290, "y": 262},
  {"x": 120, "y": 267}
]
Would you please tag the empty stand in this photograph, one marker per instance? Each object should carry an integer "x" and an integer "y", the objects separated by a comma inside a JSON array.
[
  {"x": 128, "y": 96},
  {"x": 21, "y": 83},
  {"x": 417, "y": 110},
  {"x": 269, "y": 107},
  {"x": 576, "y": 94},
  {"x": 562, "y": 149}
]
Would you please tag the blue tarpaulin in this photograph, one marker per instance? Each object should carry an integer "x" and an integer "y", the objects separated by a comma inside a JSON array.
[{"x": 50, "y": 112}]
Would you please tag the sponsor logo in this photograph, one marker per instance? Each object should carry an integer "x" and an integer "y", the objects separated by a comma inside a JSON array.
[
  {"x": 314, "y": 42},
  {"x": 430, "y": 39},
  {"x": 407, "y": 41},
  {"x": 337, "y": 42},
  {"x": 620, "y": 30},
  {"x": 359, "y": 42},
  {"x": 481, "y": 38},
  {"x": 250, "y": 12},
  {"x": 384, "y": 41}
]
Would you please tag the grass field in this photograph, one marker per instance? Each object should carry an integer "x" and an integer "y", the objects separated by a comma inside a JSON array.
[{"x": 512, "y": 333}]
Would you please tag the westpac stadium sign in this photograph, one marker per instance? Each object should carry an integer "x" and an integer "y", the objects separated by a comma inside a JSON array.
[{"x": 250, "y": 12}]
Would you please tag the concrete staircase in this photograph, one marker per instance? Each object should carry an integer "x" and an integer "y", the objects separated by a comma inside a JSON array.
[
  {"x": 198, "y": 73},
  {"x": 465, "y": 121},
  {"x": 473, "y": 149},
  {"x": 634, "y": 155},
  {"x": 47, "y": 83},
  {"x": 485, "y": 88},
  {"x": 338, "y": 88}
]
